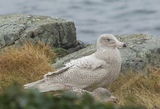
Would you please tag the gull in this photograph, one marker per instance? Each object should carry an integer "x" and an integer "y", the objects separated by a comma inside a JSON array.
[{"x": 87, "y": 73}]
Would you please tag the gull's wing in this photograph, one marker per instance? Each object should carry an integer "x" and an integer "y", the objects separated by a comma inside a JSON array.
[
  {"x": 58, "y": 71},
  {"x": 83, "y": 72},
  {"x": 87, "y": 62}
]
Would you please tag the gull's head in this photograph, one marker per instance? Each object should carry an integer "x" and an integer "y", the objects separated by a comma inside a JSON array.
[{"x": 109, "y": 40}]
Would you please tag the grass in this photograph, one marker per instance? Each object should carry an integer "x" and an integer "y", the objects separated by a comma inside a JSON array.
[
  {"x": 25, "y": 63},
  {"x": 138, "y": 89},
  {"x": 30, "y": 62}
]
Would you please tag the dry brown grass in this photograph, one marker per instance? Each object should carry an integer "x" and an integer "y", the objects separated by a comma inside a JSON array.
[
  {"x": 138, "y": 89},
  {"x": 25, "y": 63}
]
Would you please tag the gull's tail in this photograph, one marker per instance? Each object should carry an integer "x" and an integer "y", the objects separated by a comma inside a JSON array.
[
  {"x": 44, "y": 87},
  {"x": 45, "y": 84}
]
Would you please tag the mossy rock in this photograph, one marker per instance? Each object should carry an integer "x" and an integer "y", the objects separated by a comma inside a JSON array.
[
  {"x": 61, "y": 52},
  {"x": 17, "y": 28}
]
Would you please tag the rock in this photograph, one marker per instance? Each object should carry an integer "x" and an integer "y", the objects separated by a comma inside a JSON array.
[
  {"x": 142, "y": 50},
  {"x": 16, "y": 28}
]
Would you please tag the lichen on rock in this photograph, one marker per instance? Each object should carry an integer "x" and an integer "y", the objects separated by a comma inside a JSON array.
[{"x": 57, "y": 32}]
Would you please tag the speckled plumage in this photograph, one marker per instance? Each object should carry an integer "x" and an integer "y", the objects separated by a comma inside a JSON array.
[{"x": 89, "y": 72}]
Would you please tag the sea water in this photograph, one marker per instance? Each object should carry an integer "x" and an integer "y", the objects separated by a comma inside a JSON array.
[{"x": 94, "y": 17}]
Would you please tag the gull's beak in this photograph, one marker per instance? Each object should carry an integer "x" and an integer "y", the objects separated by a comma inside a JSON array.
[
  {"x": 114, "y": 99},
  {"x": 120, "y": 44},
  {"x": 124, "y": 45}
]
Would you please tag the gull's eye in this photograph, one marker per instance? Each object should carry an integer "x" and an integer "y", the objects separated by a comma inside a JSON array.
[{"x": 108, "y": 39}]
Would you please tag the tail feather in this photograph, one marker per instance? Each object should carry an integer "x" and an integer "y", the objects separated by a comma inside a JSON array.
[
  {"x": 34, "y": 84},
  {"x": 52, "y": 87},
  {"x": 44, "y": 86}
]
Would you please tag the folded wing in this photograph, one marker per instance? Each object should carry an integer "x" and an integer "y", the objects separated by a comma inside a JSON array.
[{"x": 80, "y": 73}]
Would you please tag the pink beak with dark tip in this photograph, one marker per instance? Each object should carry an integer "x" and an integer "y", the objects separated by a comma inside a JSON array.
[
  {"x": 124, "y": 45},
  {"x": 120, "y": 44}
]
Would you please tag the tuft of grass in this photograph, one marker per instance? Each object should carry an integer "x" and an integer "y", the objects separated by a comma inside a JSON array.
[
  {"x": 25, "y": 63},
  {"x": 138, "y": 89}
]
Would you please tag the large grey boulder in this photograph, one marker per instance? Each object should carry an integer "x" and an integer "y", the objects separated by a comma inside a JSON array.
[
  {"x": 142, "y": 50},
  {"x": 56, "y": 32}
]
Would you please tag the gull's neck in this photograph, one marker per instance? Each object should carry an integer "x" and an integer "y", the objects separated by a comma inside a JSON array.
[
  {"x": 105, "y": 49},
  {"x": 107, "y": 53}
]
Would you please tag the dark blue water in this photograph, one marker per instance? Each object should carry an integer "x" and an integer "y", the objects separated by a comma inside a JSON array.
[{"x": 95, "y": 17}]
